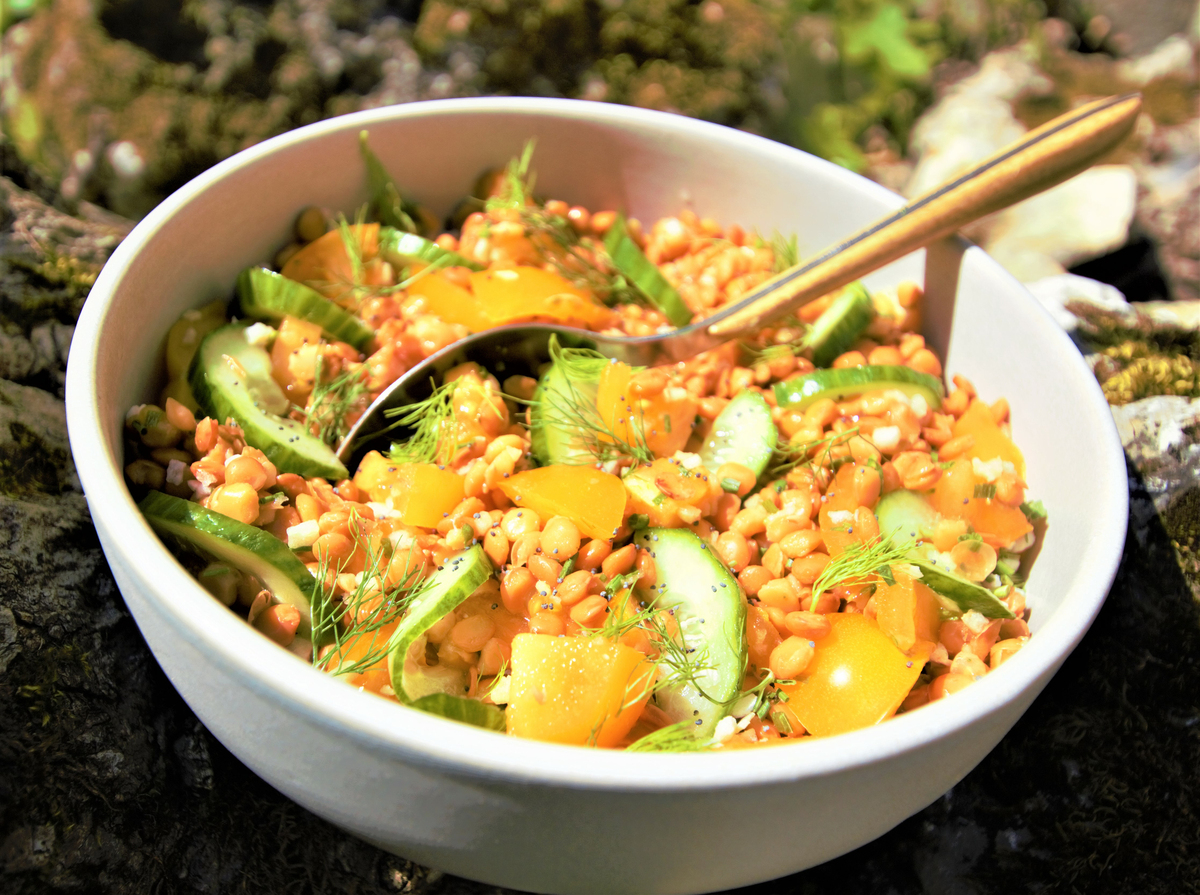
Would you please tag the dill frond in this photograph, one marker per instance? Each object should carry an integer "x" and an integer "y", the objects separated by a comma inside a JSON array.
[
  {"x": 429, "y": 421},
  {"x": 786, "y": 250},
  {"x": 331, "y": 400},
  {"x": 367, "y": 612},
  {"x": 859, "y": 561},
  {"x": 677, "y": 737},
  {"x": 577, "y": 260},
  {"x": 789, "y": 456},
  {"x": 517, "y": 187}
]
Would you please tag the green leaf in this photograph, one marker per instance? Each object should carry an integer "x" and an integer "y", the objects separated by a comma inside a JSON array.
[
  {"x": 1034, "y": 510},
  {"x": 643, "y": 275},
  {"x": 458, "y": 708},
  {"x": 886, "y": 35},
  {"x": 390, "y": 206}
]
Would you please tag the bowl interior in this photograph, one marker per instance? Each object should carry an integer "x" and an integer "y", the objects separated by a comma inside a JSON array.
[{"x": 986, "y": 326}]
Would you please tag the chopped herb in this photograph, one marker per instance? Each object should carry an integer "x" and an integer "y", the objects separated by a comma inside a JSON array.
[
  {"x": 331, "y": 400},
  {"x": 985, "y": 492},
  {"x": 1033, "y": 510}
]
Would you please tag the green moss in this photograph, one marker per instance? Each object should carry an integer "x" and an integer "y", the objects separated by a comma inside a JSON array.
[{"x": 28, "y": 465}]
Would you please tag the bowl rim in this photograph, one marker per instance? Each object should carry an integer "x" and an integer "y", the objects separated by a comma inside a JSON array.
[{"x": 410, "y": 736}]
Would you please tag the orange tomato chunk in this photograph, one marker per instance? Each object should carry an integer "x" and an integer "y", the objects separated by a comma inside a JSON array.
[
  {"x": 907, "y": 611},
  {"x": 578, "y": 690},
  {"x": 831, "y": 518},
  {"x": 420, "y": 492},
  {"x": 857, "y": 678},
  {"x": 593, "y": 500},
  {"x": 324, "y": 263},
  {"x": 667, "y": 420},
  {"x": 955, "y": 498}
]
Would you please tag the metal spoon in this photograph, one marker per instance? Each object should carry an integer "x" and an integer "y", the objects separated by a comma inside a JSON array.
[{"x": 1041, "y": 159}]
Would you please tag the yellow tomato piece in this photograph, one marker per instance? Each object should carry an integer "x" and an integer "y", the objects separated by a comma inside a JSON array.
[
  {"x": 990, "y": 441},
  {"x": 616, "y": 405},
  {"x": 420, "y": 492},
  {"x": 451, "y": 302},
  {"x": 857, "y": 678},
  {"x": 324, "y": 263},
  {"x": 593, "y": 500},
  {"x": 523, "y": 293},
  {"x": 577, "y": 690},
  {"x": 907, "y": 611}
]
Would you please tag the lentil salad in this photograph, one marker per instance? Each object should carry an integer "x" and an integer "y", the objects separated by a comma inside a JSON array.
[{"x": 794, "y": 537}]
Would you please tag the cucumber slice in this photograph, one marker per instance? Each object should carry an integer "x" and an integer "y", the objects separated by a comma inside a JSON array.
[
  {"x": 742, "y": 433},
  {"x": 908, "y": 515},
  {"x": 438, "y": 689},
  {"x": 249, "y": 549},
  {"x": 958, "y": 594},
  {"x": 846, "y": 382},
  {"x": 564, "y": 409},
  {"x": 711, "y": 612},
  {"x": 840, "y": 326},
  {"x": 400, "y": 249},
  {"x": 232, "y": 378},
  {"x": 266, "y": 295},
  {"x": 642, "y": 274}
]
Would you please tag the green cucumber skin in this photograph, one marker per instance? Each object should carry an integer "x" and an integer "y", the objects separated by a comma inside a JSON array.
[
  {"x": 398, "y": 248},
  {"x": 552, "y": 440},
  {"x": 963, "y": 594},
  {"x": 710, "y": 608},
  {"x": 245, "y": 547},
  {"x": 266, "y": 295},
  {"x": 845, "y": 382},
  {"x": 846, "y": 318},
  {"x": 221, "y": 395},
  {"x": 742, "y": 433},
  {"x": 643, "y": 275},
  {"x": 457, "y": 578}
]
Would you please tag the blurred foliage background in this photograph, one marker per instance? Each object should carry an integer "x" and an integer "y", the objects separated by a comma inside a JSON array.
[{"x": 187, "y": 82}]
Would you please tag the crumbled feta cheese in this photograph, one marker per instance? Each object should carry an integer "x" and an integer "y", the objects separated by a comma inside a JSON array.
[
  {"x": 176, "y": 470},
  {"x": 386, "y": 690},
  {"x": 499, "y": 692},
  {"x": 675, "y": 393},
  {"x": 989, "y": 471},
  {"x": 1019, "y": 546},
  {"x": 510, "y": 275},
  {"x": 686, "y": 460},
  {"x": 919, "y": 405},
  {"x": 911, "y": 570},
  {"x": 840, "y": 517},
  {"x": 260, "y": 334},
  {"x": 199, "y": 489},
  {"x": 205, "y": 477},
  {"x": 382, "y": 511},
  {"x": 303, "y": 534},
  {"x": 745, "y": 722},
  {"x": 975, "y": 621},
  {"x": 134, "y": 411},
  {"x": 726, "y": 728},
  {"x": 744, "y": 705},
  {"x": 400, "y": 539},
  {"x": 886, "y": 438}
]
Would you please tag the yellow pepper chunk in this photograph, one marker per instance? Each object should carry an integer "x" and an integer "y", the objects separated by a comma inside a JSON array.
[
  {"x": 523, "y": 293},
  {"x": 593, "y": 500},
  {"x": 324, "y": 263},
  {"x": 990, "y": 440},
  {"x": 420, "y": 492},
  {"x": 857, "y": 678},
  {"x": 577, "y": 690},
  {"x": 907, "y": 611},
  {"x": 450, "y": 301}
]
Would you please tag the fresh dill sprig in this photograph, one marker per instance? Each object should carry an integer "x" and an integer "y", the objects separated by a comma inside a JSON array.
[
  {"x": 861, "y": 560},
  {"x": 365, "y": 612},
  {"x": 354, "y": 249},
  {"x": 429, "y": 421},
  {"x": 677, "y": 737},
  {"x": 682, "y": 663},
  {"x": 766, "y": 694},
  {"x": 787, "y": 251},
  {"x": 574, "y": 408},
  {"x": 517, "y": 187},
  {"x": 789, "y": 456},
  {"x": 576, "y": 260},
  {"x": 331, "y": 400}
]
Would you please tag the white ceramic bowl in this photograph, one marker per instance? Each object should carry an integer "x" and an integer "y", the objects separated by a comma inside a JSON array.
[{"x": 532, "y": 815}]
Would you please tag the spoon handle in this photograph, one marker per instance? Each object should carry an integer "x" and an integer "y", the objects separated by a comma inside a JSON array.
[{"x": 1041, "y": 159}]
